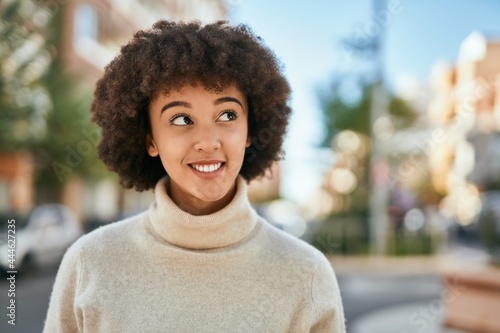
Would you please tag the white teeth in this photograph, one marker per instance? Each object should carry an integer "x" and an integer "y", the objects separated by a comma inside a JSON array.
[{"x": 207, "y": 168}]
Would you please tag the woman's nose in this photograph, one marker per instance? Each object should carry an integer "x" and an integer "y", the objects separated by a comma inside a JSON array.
[{"x": 207, "y": 140}]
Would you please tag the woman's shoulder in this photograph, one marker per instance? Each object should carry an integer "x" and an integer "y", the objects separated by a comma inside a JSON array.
[
  {"x": 111, "y": 235},
  {"x": 287, "y": 247}
]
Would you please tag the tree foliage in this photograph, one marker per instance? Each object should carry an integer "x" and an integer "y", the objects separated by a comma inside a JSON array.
[
  {"x": 25, "y": 58},
  {"x": 347, "y": 106},
  {"x": 44, "y": 110},
  {"x": 342, "y": 111}
]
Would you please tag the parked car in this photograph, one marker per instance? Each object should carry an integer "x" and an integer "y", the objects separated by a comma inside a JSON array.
[
  {"x": 489, "y": 224},
  {"x": 50, "y": 230}
]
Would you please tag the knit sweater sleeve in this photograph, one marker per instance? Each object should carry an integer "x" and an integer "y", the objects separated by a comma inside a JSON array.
[
  {"x": 62, "y": 315},
  {"x": 328, "y": 310}
]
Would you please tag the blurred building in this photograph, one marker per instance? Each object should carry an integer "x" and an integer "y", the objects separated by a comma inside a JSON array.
[
  {"x": 410, "y": 147},
  {"x": 16, "y": 178},
  {"x": 94, "y": 30},
  {"x": 466, "y": 112}
]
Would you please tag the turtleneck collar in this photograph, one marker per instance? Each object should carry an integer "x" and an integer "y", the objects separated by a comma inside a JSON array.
[{"x": 222, "y": 228}]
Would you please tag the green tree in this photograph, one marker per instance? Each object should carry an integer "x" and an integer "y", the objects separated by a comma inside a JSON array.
[
  {"x": 45, "y": 111},
  {"x": 354, "y": 113},
  {"x": 346, "y": 107},
  {"x": 24, "y": 59},
  {"x": 341, "y": 112},
  {"x": 69, "y": 146}
]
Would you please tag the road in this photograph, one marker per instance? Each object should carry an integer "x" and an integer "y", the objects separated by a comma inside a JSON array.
[
  {"x": 393, "y": 303},
  {"x": 32, "y": 294},
  {"x": 362, "y": 295}
]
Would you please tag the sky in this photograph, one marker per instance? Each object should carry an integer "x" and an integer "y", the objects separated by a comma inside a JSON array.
[{"x": 306, "y": 36}]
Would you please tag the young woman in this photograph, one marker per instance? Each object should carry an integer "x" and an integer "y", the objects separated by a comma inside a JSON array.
[{"x": 194, "y": 112}]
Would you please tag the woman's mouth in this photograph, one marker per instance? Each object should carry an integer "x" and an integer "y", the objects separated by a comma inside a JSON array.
[{"x": 206, "y": 167}]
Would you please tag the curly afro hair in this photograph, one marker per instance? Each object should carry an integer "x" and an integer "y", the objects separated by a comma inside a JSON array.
[{"x": 169, "y": 56}]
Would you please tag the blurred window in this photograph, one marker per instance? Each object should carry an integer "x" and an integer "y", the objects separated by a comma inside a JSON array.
[
  {"x": 4, "y": 196},
  {"x": 85, "y": 24}
]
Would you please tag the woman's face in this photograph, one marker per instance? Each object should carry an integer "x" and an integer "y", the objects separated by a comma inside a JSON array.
[{"x": 201, "y": 138}]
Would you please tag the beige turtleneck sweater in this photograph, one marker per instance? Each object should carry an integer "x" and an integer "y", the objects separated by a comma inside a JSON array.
[{"x": 168, "y": 271}]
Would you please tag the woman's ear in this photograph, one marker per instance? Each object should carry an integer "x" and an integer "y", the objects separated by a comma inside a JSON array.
[
  {"x": 249, "y": 142},
  {"x": 151, "y": 146}
]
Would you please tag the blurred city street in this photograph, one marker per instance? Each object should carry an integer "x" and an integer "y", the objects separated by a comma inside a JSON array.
[
  {"x": 364, "y": 295},
  {"x": 380, "y": 294},
  {"x": 398, "y": 295},
  {"x": 392, "y": 165}
]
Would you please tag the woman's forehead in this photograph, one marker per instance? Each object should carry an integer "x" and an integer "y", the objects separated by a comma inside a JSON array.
[{"x": 200, "y": 88}]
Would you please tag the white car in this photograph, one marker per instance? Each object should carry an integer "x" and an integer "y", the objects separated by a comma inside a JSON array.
[{"x": 50, "y": 230}]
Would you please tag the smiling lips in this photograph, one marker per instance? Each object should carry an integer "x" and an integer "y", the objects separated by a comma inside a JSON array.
[{"x": 206, "y": 167}]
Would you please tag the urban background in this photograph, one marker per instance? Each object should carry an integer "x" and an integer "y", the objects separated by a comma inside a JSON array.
[{"x": 391, "y": 170}]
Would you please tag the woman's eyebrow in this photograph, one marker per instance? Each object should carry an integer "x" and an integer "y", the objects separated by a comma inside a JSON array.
[
  {"x": 175, "y": 103},
  {"x": 227, "y": 99}
]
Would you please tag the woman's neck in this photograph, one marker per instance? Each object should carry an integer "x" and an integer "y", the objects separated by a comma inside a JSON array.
[
  {"x": 228, "y": 224},
  {"x": 195, "y": 206}
]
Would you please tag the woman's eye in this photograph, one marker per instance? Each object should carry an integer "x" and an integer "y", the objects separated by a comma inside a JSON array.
[
  {"x": 228, "y": 116},
  {"x": 181, "y": 120}
]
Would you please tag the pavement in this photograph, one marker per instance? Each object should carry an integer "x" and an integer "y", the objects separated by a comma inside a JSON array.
[
  {"x": 462, "y": 258},
  {"x": 420, "y": 317},
  {"x": 399, "y": 294}
]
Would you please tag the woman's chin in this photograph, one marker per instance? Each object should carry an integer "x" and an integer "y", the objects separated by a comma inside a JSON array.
[
  {"x": 217, "y": 196},
  {"x": 210, "y": 198}
]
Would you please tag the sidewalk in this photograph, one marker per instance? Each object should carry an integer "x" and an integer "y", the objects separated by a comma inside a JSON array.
[
  {"x": 456, "y": 258},
  {"x": 408, "y": 318},
  {"x": 400, "y": 294},
  {"x": 382, "y": 265}
]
